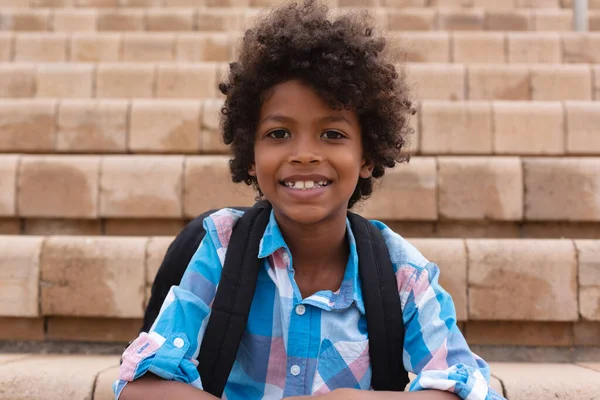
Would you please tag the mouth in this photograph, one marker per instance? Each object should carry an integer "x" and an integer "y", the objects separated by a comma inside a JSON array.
[{"x": 305, "y": 184}]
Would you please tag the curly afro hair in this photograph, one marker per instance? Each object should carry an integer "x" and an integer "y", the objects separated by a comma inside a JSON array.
[{"x": 342, "y": 59}]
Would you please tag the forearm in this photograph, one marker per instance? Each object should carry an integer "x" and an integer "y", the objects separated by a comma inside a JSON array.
[
  {"x": 352, "y": 394},
  {"x": 151, "y": 387}
]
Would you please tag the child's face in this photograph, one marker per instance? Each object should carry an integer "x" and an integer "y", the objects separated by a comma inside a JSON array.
[{"x": 308, "y": 157}]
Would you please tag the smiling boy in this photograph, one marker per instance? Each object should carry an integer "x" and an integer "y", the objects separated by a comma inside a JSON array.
[{"x": 315, "y": 112}]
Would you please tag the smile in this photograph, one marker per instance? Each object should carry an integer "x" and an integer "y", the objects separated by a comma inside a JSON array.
[{"x": 305, "y": 185}]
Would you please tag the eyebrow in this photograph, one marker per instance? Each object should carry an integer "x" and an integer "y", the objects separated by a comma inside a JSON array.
[{"x": 327, "y": 118}]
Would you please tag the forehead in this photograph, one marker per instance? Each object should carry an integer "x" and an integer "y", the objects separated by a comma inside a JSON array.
[{"x": 299, "y": 101}]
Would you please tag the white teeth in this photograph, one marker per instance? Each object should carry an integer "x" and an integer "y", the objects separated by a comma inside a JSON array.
[{"x": 305, "y": 185}]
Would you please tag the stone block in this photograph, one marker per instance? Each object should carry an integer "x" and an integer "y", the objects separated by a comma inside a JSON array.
[
  {"x": 561, "y": 82},
  {"x": 121, "y": 20},
  {"x": 588, "y": 256},
  {"x": 583, "y": 120},
  {"x": 171, "y": 20},
  {"x": 24, "y": 20},
  {"x": 165, "y": 126},
  {"x": 69, "y": 20},
  {"x": 141, "y": 187},
  {"x": 528, "y": 128},
  {"x": 58, "y": 4},
  {"x": 550, "y": 4},
  {"x": 143, "y": 227},
  {"x": 27, "y": 125},
  {"x": 451, "y": 256},
  {"x": 9, "y": 165},
  {"x": 421, "y": 46},
  {"x": 406, "y": 192},
  {"x": 98, "y": 126},
  {"x": 552, "y": 230},
  {"x": 522, "y": 280},
  {"x": 95, "y": 48},
  {"x": 579, "y": 47},
  {"x": 48, "y": 227},
  {"x": 38, "y": 47},
  {"x": 93, "y": 329},
  {"x": 596, "y": 82},
  {"x": 594, "y": 20},
  {"x": 508, "y": 20},
  {"x": 540, "y": 48},
  {"x": 478, "y": 47},
  {"x": 412, "y": 229},
  {"x": 125, "y": 81},
  {"x": 203, "y": 46},
  {"x": 411, "y": 19},
  {"x": 475, "y": 188},
  {"x": 65, "y": 80},
  {"x": 456, "y": 127},
  {"x": 15, "y": 328},
  {"x": 187, "y": 81},
  {"x": 520, "y": 333},
  {"x": 58, "y": 186},
  {"x": 437, "y": 81},
  {"x": 141, "y": 3},
  {"x": 402, "y": 3},
  {"x": 498, "y": 82},
  {"x": 587, "y": 333},
  {"x": 6, "y": 46},
  {"x": 19, "y": 275},
  {"x": 56, "y": 376},
  {"x": 589, "y": 303},
  {"x": 461, "y": 19},
  {"x": 474, "y": 229},
  {"x": 552, "y": 20},
  {"x": 538, "y": 381},
  {"x": 143, "y": 47},
  {"x": 211, "y": 134},
  {"x": 194, "y": 3},
  {"x": 97, "y": 3},
  {"x": 207, "y": 185},
  {"x": 564, "y": 189},
  {"x": 220, "y": 19},
  {"x": 155, "y": 253},
  {"x": 17, "y": 80},
  {"x": 103, "y": 386},
  {"x": 93, "y": 277},
  {"x": 10, "y": 226}
]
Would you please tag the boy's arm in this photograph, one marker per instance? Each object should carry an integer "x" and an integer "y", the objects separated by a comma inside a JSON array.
[{"x": 151, "y": 387}]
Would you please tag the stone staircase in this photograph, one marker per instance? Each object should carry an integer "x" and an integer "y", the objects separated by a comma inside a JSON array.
[{"x": 109, "y": 145}]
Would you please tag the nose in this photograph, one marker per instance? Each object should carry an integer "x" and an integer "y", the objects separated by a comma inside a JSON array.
[{"x": 305, "y": 151}]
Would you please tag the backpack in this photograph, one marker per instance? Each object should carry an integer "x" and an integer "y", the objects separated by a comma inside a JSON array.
[{"x": 231, "y": 305}]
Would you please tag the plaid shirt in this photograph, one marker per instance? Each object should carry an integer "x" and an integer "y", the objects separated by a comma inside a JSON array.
[{"x": 294, "y": 346}]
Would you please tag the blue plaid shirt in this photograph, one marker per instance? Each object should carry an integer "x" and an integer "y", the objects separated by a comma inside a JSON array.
[{"x": 294, "y": 346}]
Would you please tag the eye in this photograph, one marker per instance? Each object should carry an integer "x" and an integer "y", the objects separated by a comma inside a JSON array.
[
  {"x": 278, "y": 134},
  {"x": 332, "y": 135}
]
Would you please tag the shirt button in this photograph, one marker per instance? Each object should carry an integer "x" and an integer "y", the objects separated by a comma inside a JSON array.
[
  {"x": 295, "y": 370},
  {"x": 178, "y": 342},
  {"x": 300, "y": 309}
]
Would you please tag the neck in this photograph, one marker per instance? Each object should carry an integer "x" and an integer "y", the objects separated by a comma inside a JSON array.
[{"x": 316, "y": 248}]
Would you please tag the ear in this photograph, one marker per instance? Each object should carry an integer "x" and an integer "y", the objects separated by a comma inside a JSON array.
[
  {"x": 366, "y": 169},
  {"x": 252, "y": 170}
]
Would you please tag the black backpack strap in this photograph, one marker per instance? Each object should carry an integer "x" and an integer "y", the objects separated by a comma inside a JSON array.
[
  {"x": 174, "y": 264},
  {"x": 231, "y": 305},
  {"x": 382, "y": 306}
]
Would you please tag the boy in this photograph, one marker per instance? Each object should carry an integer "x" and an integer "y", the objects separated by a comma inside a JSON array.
[{"x": 315, "y": 112}]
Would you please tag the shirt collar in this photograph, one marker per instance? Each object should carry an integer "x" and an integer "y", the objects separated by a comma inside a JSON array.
[{"x": 350, "y": 289}]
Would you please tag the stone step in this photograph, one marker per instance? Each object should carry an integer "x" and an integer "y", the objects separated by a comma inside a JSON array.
[
  {"x": 166, "y": 126},
  {"x": 430, "y": 81},
  {"x": 487, "y": 4},
  {"x": 238, "y": 18},
  {"x": 478, "y": 188},
  {"x": 78, "y": 277},
  {"x": 77, "y": 377},
  {"x": 440, "y": 47}
]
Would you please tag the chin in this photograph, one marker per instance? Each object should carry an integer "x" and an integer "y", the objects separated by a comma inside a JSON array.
[{"x": 306, "y": 214}]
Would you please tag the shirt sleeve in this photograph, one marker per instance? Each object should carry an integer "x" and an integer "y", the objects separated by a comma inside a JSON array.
[
  {"x": 170, "y": 349},
  {"x": 434, "y": 348}
]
